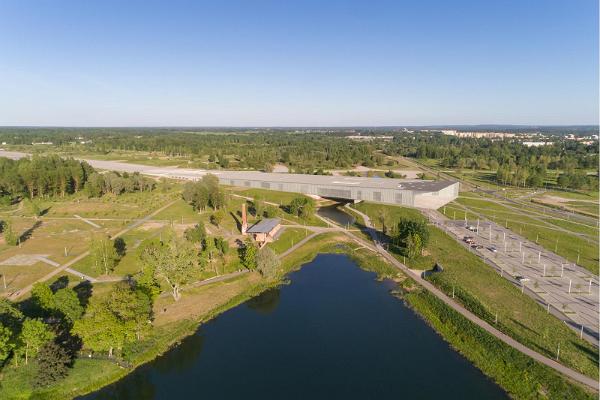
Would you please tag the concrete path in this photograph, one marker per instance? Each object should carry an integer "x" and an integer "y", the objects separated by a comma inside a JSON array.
[
  {"x": 87, "y": 221},
  {"x": 80, "y": 257},
  {"x": 592, "y": 383},
  {"x": 300, "y": 243}
]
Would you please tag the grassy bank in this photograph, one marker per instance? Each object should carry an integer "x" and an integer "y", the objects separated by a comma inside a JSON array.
[
  {"x": 519, "y": 375},
  {"x": 485, "y": 293}
]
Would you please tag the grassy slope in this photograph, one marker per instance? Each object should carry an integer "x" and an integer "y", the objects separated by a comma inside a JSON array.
[
  {"x": 287, "y": 239},
  {"x": 485, "y": 293},
  {"x": 519, "y": 375}
]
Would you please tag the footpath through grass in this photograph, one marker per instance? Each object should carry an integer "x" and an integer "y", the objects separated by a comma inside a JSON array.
[{"x": 481, "y": 289}]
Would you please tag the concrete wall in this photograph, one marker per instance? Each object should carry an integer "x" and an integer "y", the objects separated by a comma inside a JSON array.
[{"x": 406, "y": 198}]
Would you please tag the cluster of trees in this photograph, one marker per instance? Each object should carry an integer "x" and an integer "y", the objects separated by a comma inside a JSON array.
[
  {"x": 577, "y": 180},
  {"x": 40, "y": 330},
  {"x": 237, "y": 148},
  {"x": 302, "y": 206},
  {"x": 117, "y": 183},
  {"x": 411, "y": 235},
  {"x": 263, "y": 260},
  {"x": 110, "y": 322},
  {"x": 209, "y": 247},
  {"x": 262, "y": 209},
  {"x": 10, "y": 237},
  {"x": 513, "y": 162},
  {"x": 204, "y": 193},
  {"x": 106, "y": 253},
  {"x": 42, "y": 176}
]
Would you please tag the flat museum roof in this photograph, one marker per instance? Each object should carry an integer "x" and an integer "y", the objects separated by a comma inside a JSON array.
[{"x": 347, "y": 181}]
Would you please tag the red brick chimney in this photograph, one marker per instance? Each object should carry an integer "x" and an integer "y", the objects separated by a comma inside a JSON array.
[{"x": 244, "y": 219}]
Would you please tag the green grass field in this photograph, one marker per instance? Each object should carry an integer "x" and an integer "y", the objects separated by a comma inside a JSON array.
[
  {"x": 485, "y": 293},
  {"x": 287, "y": 239}
]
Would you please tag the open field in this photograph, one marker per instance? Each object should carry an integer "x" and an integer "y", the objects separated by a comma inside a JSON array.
[
  {"x": 287, "y": 239},
  {"x": 482, "y": 290}
]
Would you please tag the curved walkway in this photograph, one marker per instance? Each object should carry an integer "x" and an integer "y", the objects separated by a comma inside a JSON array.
[{"x": 592, "y": 383}]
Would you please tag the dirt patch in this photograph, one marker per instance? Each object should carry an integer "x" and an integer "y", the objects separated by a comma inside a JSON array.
[
  {"x": 150, "y": 226},
  {"x": 23, "y": 259},
  {"x": 199, "y": 301}
]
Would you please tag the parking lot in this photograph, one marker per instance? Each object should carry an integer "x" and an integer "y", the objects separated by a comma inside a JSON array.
[{"x": 565, "y": 289}]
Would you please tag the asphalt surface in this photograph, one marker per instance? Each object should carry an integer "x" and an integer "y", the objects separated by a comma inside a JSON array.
[{"x": 571, "y": 291}]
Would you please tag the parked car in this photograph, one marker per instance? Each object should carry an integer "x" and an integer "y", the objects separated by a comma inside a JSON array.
[
  {"x": 492, "y": 249},
  {"x": 522, "y": 278},
  {"x": 472, "y": 228},
  {"x": 477, "y": 246}
]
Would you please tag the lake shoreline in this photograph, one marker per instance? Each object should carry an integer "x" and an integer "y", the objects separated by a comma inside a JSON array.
[{"x": 423, "y": 306}]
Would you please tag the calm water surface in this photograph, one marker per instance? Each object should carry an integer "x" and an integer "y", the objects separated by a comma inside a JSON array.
[
  {"x": 333, "y": 333},
  {"x": 336, "y": 214}
]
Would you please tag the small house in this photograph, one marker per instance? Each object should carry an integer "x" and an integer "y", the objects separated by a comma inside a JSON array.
[{"x": 265, "y": 230}]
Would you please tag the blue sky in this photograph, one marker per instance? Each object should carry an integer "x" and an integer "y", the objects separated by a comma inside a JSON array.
[{"x": 285, "y": 63}]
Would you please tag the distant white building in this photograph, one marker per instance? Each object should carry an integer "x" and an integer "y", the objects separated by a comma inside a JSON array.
[{"x": 535, "y": 144}]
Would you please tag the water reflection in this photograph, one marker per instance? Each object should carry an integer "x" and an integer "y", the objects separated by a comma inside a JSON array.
[
  {"x": 266, "y": 302},
  {"x": 336, "y": 213},
  {"x": 334, "y": 333}
]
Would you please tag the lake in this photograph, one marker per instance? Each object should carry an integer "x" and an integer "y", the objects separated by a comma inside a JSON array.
[{"x": 334, "y": 332}]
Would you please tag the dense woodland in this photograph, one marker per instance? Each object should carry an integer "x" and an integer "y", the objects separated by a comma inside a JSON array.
[
  {"x": 512, "y": 162},
  {"x": 49, "y": 176},
  {"x": 42, "y": 176},
  {"x": 508, "y": 160}
]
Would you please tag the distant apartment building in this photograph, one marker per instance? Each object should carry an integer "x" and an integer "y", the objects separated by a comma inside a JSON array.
[{"x": 490, "y": 135}]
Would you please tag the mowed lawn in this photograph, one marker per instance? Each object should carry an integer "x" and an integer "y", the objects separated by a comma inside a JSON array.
[
  {"x": 288, "y": 238},
  {"x": 484, "y": 292}
]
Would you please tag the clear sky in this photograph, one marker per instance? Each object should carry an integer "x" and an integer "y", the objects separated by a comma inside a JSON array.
[{"x": 298, "y": 63}]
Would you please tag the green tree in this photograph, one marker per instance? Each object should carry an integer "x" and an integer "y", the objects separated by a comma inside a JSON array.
[
  {"x": 267, "y": 262},
  {"x": 100, "y": 329},
  {"x": 197, "y": 234},
  {"x": 259, "y": 206},
  {"x": 34, "y": 334},
  {"x": 302, "y": 206},
  {"x": 103, "y": 253},
  {"x": 67, "y": 303},
  {"x": 248, "y": 254},
  {"x": 271, "y": 211},
  {"x": 174, "y": 262},
  {"x": 10, "y": 237},
  {"x": 42, "y": 296},
  {"x": 222, "y": 245},
  {"x": 216, "y": 218},
  {"x": 407, "y": 227},
  {"x": 53, "y": 363},
  {"x": 7, "y": 343},
  {"x": 133, "y": 308},
  {"x": 413, "y": 244}
]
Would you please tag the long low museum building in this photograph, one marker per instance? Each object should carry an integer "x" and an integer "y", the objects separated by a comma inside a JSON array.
[
  {"x": 410, "y": 193},
  {"x": 404, "y": 192}
]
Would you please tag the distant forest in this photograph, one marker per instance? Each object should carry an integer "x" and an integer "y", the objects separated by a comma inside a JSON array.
[{"x": 314, "y": 150}]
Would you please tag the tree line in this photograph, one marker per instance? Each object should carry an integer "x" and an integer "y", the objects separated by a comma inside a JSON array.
[{"x": 43, "y": 176}]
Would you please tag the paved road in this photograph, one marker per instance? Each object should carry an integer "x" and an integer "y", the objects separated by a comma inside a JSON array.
[
  {"x": 472, "y": 317},
  {"x": 547, "y": 277}
]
